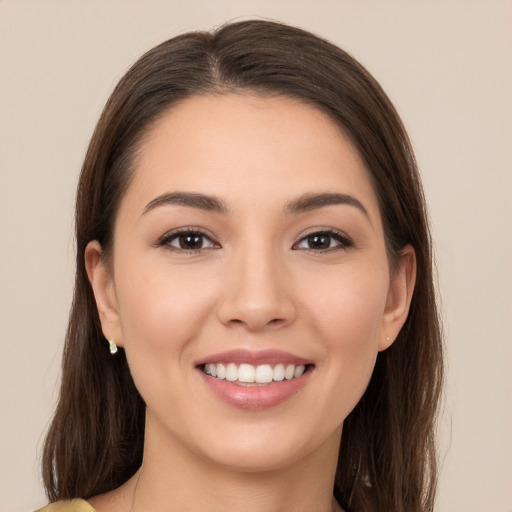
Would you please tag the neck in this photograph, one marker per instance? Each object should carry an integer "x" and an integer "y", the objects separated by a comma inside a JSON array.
[{"x": 172, "y": 479}]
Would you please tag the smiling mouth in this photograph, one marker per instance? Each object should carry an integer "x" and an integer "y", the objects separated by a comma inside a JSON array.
[{"x": 248, "y": 374}]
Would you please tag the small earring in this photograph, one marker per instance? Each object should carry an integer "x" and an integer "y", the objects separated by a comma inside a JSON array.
[
  {"x": 387, "y": 338},
  {"x": 113, "y": 347}
]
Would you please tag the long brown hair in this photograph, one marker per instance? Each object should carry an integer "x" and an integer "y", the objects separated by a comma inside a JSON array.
[{"x": 387, "y": 458}]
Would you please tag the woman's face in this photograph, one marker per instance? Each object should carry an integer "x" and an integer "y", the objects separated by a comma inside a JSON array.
[{"x": 248, "y": 249}]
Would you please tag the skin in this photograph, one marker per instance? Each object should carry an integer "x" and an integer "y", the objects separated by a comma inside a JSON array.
[{"x": 257, "y": 283}]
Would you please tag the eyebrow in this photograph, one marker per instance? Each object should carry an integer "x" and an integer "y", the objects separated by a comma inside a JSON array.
[
  {"x": 314, "y": 201},
  {"x": 305, "y": 203},
  {"x": 190, "y": 199}
]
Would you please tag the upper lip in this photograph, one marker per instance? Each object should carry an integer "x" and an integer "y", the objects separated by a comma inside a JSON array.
[{"x": 254, "y": 357}]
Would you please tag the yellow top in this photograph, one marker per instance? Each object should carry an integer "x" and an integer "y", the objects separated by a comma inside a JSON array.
[{"x": 67, "y": 506}]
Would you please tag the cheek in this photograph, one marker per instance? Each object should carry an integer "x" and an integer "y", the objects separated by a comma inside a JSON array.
[
  {"x": 161, "y": 314},
  {"x": 160, "y": 311},
  {"x": 349, "y": 307},
  {"x": 347, "y": 320}
]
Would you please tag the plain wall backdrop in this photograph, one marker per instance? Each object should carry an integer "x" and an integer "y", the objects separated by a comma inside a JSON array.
[{"x": 447, "y": 66}]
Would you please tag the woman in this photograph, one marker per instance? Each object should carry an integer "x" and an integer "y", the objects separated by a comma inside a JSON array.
[{"x": 252, "y": 241}]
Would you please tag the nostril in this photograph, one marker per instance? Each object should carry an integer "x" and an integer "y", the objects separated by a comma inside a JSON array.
[{"x": 274, "y": 321}]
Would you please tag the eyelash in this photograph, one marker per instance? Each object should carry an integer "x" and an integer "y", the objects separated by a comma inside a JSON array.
[
  {"x": 344, "y": 242},
  {"x": 190, "y": 231}
]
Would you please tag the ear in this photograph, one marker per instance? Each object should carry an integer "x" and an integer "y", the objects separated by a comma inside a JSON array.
[
  {"x": 399, "y": 298},
  {"x": 102, "y": 284}
]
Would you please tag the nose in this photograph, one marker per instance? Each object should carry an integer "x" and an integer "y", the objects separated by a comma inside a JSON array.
[{"x": 257, "y": 292}]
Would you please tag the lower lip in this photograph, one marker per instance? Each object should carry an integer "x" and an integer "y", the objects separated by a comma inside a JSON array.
[{"x": 255, "y": 396}]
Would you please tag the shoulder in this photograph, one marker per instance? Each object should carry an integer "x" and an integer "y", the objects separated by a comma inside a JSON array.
[{"x": 67, "y": 506}]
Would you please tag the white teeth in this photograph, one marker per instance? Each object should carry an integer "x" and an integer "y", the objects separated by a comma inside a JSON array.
[
  {"x": 264, "y": 374},
  {"x": 288, "y": 373},
  {"x": 247, "y": 373},
  {"x": 231, "y": 372},
  {"x": 221, "y": 371},
  {"x": 299, "y": 370},
  {"x": 279, "y": 372},
  {"x": 210, "y": 369}
]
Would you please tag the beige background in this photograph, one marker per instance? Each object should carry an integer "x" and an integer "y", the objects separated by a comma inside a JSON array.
[{"x": 448, "y": 68}]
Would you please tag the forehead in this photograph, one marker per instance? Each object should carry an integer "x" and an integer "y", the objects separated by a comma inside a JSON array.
[{"x": 252, "y": 149}]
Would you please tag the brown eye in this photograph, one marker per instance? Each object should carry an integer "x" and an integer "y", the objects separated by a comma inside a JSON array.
[
  {"x": 189, "y": 241},
  {"x": 319, "y": 241},
  {"x": 323, "y": 241}
]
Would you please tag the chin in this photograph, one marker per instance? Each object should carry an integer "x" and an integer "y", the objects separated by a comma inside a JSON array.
[{"x": 269, "y": 448}]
